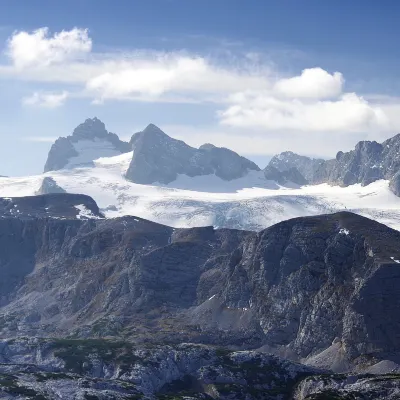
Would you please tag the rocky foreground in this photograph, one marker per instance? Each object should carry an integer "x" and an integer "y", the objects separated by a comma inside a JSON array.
[
  {"x": 108, "y": 369},
  {"x": 127, "y": 308}
]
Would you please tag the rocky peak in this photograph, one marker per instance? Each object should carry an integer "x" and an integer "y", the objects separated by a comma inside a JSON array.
[
  {"x": 89, "y": 141},
  {"x": 283, "y": 177},
  {"x": 368, "y": 162},
  {"x": 158, "y": 158},
  {"x": 306, "y": 166},
  {"x": 90, "y": 129}
]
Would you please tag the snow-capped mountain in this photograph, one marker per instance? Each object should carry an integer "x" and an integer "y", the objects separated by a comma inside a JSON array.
[
  {"x": 181, "y": 186},
  {"x": 158, "y": 158},
  {"x": 370, "y": 161},
  {"x": 89, "y": 141}
]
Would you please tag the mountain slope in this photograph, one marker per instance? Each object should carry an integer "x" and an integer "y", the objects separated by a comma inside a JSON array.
[
  {"x": 296, "y": 287},
  {"x": 368, "y": 162},
  {"x": 158, "y": 158},
  {"x": 89, "y": 141},
  {"x": 251, "y": 202}
]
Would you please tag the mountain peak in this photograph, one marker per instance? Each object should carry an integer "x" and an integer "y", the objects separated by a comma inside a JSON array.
[
  {"x": 91, "y": 128},
  {"x": 152, "y": 130},
  {"x": 89, "y": 140},
  {"x": 160, "y": 158}
]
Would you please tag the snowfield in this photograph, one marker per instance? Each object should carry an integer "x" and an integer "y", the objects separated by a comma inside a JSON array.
[{"x": 250, "y": 202}]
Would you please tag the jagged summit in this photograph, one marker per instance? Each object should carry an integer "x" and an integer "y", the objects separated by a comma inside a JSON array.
[
  {"x": 158, "y": 158},
  {"x": 367, "y": 163},
  {"x": 91, "y": 128},
  {"x": 89, "y": 141}
]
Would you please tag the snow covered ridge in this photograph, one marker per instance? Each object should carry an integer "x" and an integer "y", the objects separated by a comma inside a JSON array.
[
  {"x": 246, "y": 203},
  {"x": 162, "y": 179}
]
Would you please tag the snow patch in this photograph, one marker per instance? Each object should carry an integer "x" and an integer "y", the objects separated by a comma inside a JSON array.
[
  {"x": 395, "y": 260},
  {"x": 85, "y": 213},
  {"x": 90, "y": 150},
  {"x": 344, "y": 231}
]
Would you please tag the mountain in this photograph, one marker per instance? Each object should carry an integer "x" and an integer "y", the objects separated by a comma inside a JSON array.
[
  {"x": 284, "y": 177},
  {"x": 368, "y": 162},
  {"x": 129, "y": 309},
  {"x": 306, "y": 166},
  {"x": 56, "y": 205},
  {"x": 251, "y": 202},
  {"x": 304, "y": 287},
  {"x": 89, "y": 141},
  {"x": 158, "y": 158}
]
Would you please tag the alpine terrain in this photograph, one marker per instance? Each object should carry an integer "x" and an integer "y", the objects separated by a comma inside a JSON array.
[
  {"x": 150, "y": 269},
  {"x": 166, "y": 181}
]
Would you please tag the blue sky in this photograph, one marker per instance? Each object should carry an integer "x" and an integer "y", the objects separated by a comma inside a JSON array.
[{"x": 259, "y": 77}]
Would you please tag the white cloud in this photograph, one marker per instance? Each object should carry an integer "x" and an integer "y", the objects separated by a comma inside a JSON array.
[
  {"x": 312, "y": 83},
  {"x": 250, "y": 94},
  {"x": 37, "y": 49},
  {"x": 171, "y": 74},
  {"x": 46, "y": 100},
  {"x": 348, "y": 113}
]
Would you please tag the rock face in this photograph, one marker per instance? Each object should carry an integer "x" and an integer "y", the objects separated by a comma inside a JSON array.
[
  {"x": 306, "y": 166},
  {"x": 283, "y": 177},
  {"x": 295, "y": 287},
  {"x": 55, "y": 205},
  {"x": 349, "y": 387},
  {"x": 106, "y": 369},
  {"x": 368, "y": 162},
  {"x": 160, "y": 158},
  {"x": 48, "y": 186},
  {"x": 89, "y": 141}
]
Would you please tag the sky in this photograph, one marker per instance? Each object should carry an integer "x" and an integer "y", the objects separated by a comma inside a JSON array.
[{"x": 257, "y": 76}]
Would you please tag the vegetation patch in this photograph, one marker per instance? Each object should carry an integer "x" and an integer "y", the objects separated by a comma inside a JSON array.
[{"x": 78, "y": 353}]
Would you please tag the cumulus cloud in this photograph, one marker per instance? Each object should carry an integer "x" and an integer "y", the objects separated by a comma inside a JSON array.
[
  {"x": 46, "y": 100},
  {"x": 349, "y": 113},
  {"x": 38, "y": 48},
  {"x": 312, "y": 83},
  {"x": 174, "y": 73},
  {"x": 249, "y": 93}
]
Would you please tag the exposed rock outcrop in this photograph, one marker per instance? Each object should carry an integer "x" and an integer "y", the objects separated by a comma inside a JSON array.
[
  {"x": 284, "y": 177},
  {"x": 54, "y": 205},
  {"x": 160, "y": 158},
  {"x": 295, "y": 286},
  {"x": 368, "y": 162},
  {"x": 48, "y": 186},
  {"x": 306, "y": 166},
  {"x": 89, "y": 141}
]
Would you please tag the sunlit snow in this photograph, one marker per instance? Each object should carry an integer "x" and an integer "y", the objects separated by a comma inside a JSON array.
[{"x": 247, "y": 203}]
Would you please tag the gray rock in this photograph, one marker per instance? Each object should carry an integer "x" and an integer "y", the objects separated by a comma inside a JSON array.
[
  {"x": 368, "y": 162},
  {"x": 284, "y": 177},
  {"x": 349, "y": 387},
  {"x": 160, "y": 158},
  {"x": 90, "y": 140},
  {"x": 49, "y": 185},
  {"x": 296, "y": 286},
  {"x": 125, "y": 371},
  {"x": 305, "y": 165},
  {"x": 53, "y": 205},
  {"x": 394, "y": 184}
]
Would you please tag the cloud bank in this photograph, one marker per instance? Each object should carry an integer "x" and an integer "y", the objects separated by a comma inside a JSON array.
[{"x": 247, "y": 96}]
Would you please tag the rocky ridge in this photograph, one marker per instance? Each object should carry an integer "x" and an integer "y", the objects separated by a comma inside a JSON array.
[
  {"x": 158, "y": 158},
  {"x": 89, "y": 141},
  {"x": 299, "y": 287},
  {"x": 368, "y": 162},
  {"x": 135, "y": 309}
]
